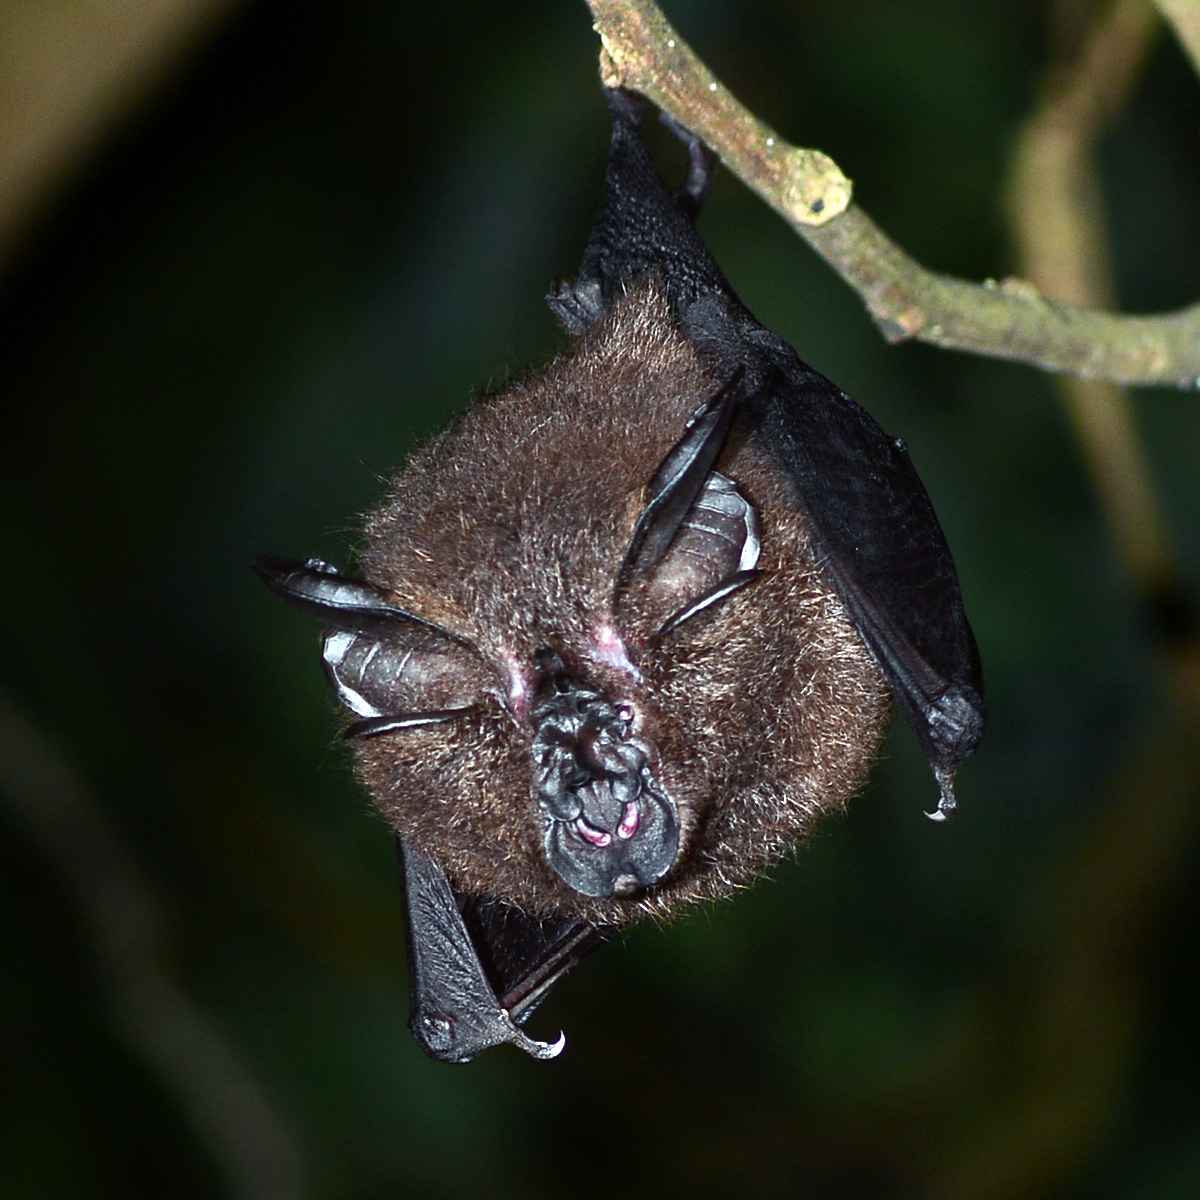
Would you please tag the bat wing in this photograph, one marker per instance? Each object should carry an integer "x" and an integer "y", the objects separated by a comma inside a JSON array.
[
  {"x": 878, "y": 540},
  {"x": 879, "y": 544},
  {"x": 478, "y": 968}
]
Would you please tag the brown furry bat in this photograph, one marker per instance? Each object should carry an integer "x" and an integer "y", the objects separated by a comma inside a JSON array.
[{"x": 626, "y": 630}]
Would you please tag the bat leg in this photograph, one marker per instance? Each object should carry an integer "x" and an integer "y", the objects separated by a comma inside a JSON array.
[{"x": 702, "y": 165}]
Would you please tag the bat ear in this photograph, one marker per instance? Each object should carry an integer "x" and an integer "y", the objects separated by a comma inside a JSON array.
[
  {"x": 389, "y": 667},
  {"x": 398, "y": 684},
  {"x": 322, "y": 591},
  {"x": 714, "y": 554},
  {"x": 677, "y": 483}
]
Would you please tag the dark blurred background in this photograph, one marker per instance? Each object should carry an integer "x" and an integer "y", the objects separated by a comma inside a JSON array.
[{"x": 268, "y": 261}]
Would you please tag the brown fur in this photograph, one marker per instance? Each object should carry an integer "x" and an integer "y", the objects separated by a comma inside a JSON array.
[{"x": 508, "y": 529}]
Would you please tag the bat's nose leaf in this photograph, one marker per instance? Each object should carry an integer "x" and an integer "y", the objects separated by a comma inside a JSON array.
[{"x": 610, "y": 828}]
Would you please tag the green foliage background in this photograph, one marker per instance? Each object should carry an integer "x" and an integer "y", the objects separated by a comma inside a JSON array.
[{"x": 303, "y": 259}]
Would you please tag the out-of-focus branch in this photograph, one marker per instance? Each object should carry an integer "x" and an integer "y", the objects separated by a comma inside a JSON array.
[
  {"x": 1184, "y": 18},
  {"x": 1080, "y": 978},
  {"x": 1086, "y": 1009},
  {"x": 1012, "y": 320},
  {"x": 67, "y": 72},
  {"x": 123, "y": 918},
  {"x": 1057, "y": 215}
]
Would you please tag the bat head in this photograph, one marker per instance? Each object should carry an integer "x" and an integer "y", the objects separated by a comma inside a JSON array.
[{"x": 595, "y": 672}]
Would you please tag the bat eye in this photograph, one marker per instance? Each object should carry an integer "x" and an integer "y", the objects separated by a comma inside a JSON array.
[{"x": 626, "y": 712}]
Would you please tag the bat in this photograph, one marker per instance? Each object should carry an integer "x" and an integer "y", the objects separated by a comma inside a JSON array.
[{"x": 626, "y": 630}]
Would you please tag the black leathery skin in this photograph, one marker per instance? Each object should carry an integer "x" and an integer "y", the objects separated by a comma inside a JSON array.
[{"x": 590, "y": 773}]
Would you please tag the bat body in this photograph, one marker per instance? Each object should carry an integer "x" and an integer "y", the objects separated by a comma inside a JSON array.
[{"x": 626, "y": 630}]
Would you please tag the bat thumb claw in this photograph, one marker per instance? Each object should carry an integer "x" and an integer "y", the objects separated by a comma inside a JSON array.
[
  {"x": 946, "y": 800},
  {"x": 538, "y": 1049}
]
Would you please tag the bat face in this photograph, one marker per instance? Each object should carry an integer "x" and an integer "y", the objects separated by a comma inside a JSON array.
[
  {"x": 616, "y": 753},
  {"x": 627, "y": 629}
]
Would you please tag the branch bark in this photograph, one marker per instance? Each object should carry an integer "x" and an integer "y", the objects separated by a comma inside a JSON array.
[{"x": 1011, "y": 319}]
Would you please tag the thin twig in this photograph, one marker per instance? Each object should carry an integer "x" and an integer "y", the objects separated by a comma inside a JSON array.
[
  {"x": 1009, "y": 320},
  {"x": 179, "y": 1045}
]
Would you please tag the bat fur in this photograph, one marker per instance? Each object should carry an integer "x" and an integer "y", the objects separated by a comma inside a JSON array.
[{"x": 507, "y": 528}]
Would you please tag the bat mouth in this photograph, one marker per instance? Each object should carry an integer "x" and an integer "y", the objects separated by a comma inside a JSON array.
[
  {"x": 614, "y": 846},
  {"x": 611, "y": 830}
]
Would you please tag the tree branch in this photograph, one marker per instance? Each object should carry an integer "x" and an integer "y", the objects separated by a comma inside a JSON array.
[
  {"x": 192, "y": 1059},
  {"x": 1009, "y": 320},
  {"x": 1184, "y": 18},
  {"x": 1057, "y": 214}
]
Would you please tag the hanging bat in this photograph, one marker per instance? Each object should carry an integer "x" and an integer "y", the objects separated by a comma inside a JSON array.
[{"x": 626, "y": 630}]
